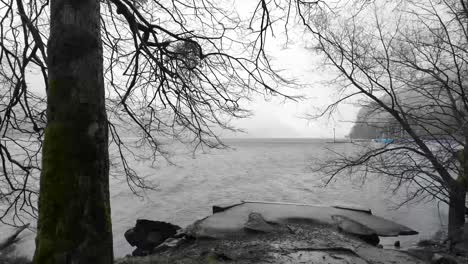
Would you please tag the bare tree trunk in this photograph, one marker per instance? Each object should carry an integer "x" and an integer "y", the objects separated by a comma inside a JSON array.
[
  {"x": 457, "y": 203},
  {"x": 456, "y": 214},
  {"x": 74, "y": 223}
]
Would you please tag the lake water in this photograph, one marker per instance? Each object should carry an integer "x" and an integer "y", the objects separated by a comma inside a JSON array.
[{"x": 255, "y": 169}]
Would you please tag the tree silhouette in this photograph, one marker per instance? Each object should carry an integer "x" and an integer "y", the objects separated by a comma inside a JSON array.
[
  {"x": 79, "y": 77},
  {"x": 407, "y": 68}
]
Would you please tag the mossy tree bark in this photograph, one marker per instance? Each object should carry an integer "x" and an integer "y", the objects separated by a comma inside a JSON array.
[
  {"x": 457, "y": 199},
  {"x": 74, "y": 223}
]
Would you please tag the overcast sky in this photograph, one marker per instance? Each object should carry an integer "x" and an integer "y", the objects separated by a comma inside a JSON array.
[
  {"x": 286, "y": 120},
  {"x": 276, "y": 118}
]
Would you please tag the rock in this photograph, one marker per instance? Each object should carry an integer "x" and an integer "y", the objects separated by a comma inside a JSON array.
[
  {"x": 257, "y": 223},
  {"x": 439, "y": 259},
  {"x": 147, "y": 234},
  {"x": 138, "y": 252},
  {"x": 397, "y": 244},
  {"x": 131, "y": 236}
]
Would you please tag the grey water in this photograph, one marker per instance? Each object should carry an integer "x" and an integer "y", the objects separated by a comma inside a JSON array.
[{"x": 278, "y": 170}]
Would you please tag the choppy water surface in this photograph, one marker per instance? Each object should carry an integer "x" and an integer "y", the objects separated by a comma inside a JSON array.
[
  {"x": 258, "y": 169},
  {"x": 254, "y": 169}
]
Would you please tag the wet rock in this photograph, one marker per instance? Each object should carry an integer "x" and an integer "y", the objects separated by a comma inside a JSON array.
[
  {"x": 371, "y": 239},
  {"x": 138, "y": 252},
  {"x": 257, "y": 223},
  {"x": 148, "y": 234}
]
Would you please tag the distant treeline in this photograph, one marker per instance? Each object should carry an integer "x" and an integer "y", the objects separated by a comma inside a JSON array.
[
  {"x": 428, "y": 121},
  {"x": 369, "y": 125}
]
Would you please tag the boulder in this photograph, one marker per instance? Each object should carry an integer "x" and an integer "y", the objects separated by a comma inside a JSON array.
[
  {"x": 138, "y": 252},
  {"x": 148, "y": 234}
]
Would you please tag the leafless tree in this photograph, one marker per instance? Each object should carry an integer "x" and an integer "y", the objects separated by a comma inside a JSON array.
[
  {"x": 76, "y": 73},
  {"x": 406, "y": 63}
]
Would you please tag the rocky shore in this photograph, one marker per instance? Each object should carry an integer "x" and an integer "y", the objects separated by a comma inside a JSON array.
[
  {"x": 256, "y": 232},
  {"x": 267, "y": 238},
  {"x": 298, "y": 243}
]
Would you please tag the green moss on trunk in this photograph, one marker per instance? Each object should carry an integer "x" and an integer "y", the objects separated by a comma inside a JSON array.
[{"x": 74, "y": 223}]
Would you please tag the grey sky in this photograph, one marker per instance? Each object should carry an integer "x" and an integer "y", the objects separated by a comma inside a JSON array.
[{"x": 278, "y": 119}]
